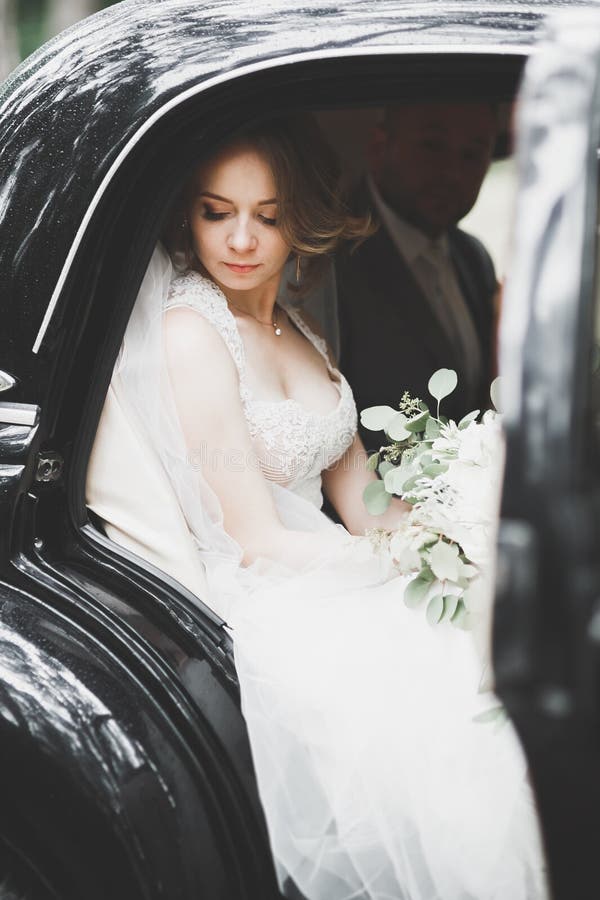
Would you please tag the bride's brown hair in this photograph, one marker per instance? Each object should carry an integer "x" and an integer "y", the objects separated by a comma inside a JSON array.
[{"x": 313, "y": 217}]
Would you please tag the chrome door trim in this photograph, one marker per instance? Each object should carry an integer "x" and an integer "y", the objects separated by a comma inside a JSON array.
[
  {"x": 19, "y": 414},
  {"x": 7, "y": 381}
]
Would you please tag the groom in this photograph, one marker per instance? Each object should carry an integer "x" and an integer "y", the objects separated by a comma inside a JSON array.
[{"x": 418, "y": 295}]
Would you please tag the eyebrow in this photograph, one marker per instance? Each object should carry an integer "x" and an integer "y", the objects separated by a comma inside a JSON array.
[{"x": 225, "y": 200}]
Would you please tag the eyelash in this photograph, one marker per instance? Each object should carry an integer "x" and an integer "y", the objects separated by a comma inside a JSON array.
[{"x": 212, "y": 216}]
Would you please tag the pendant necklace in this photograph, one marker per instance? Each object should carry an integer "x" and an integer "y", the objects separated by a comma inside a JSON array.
[{"x": 272, "y": 324}]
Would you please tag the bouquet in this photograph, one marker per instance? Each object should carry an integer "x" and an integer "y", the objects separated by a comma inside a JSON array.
[{"x": 450, "y": 474}]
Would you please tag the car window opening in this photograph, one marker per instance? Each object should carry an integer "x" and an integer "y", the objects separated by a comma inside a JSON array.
[{"x": 162, "y": 537}]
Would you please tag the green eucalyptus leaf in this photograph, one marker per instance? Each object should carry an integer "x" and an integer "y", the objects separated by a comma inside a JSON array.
[
  {"x": 395, "y": 427},
  {"x": 461, "y": 617},
  {"x": 435, "y": 469},
  {"x": 435, "y": 609},
  {"x": 426, "y": 574},
  {"x": 424, "y": 454},
  {"x": 385, "y": 467},
  {"x": 376, "y": 418},
  {"x": 394, "y": 480},
  {"x": 417, "y": 423},
  {"x": 443, "y": 559},
  {"x": 410, "y": 498},
  {"x": 442, "y": 383},
  {"x": 460, "y": 609},
  {"x": 495, "y": 393},
  {"x": 410, "y": 483},
  {"x": 376, "y": 498},
  {"x": 373, "y": 462},
  {"x": 432, "y": 429},
  {"x": 491, "y": 715},
  {"x": 426, "y": 458},
  {"x": 450, "y": 604},
  {"x": 415, "y": 591},
  {"x": 466, "y": 420},
  {"x": 501, "y": 719}
]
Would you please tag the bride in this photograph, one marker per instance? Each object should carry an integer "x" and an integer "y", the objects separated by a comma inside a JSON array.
[{"x": 376, "y": 782}]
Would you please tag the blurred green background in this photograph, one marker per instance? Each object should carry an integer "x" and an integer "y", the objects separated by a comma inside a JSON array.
[{"x": 25, "y": 24}]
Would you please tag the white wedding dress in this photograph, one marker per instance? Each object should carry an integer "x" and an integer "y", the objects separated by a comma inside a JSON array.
[{"x": 376, "y": 782}]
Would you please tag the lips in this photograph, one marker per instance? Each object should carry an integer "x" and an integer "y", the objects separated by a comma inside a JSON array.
[{"x": 241, "y": 268}]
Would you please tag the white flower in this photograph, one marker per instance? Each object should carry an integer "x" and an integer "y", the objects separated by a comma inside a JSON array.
[
  {"x": 481, "y": 443},
  {"x": 449, "y": 439},
  {"x": 406, "y": 545},
  {"x": 470, "y": 448},
  {"x": 456, "y": 485},
  {"x": 446, "y": 564}
]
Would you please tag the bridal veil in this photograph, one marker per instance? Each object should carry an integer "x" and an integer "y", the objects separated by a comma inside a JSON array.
[{"x": 376, "y": 781}]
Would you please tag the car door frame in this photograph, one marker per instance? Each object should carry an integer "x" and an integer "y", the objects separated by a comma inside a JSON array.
[{"x": 546, "y": 648}]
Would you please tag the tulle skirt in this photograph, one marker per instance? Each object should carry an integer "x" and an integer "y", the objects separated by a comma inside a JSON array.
[{"x": 376, "y": 779}]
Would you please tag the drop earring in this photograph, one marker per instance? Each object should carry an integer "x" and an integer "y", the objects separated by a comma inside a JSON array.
[{"x": 298, "y": 270}]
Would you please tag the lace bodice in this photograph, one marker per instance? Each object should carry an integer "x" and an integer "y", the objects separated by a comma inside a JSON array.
[{"x": 293, "y": 444}]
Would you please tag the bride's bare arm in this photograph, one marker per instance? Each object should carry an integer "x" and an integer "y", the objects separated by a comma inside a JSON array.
[
  {"x": 344, "y": 484},
  {"x": 205, "y": 386},
  {"x": 346, "y": 480}
]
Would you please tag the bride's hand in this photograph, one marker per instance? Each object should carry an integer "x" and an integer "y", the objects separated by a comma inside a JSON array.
[{"x": 344, "y": 484}]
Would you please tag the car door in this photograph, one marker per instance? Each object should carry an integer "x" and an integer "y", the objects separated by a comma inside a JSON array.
[
  {"x": 155, "y": 105},
  {"x": 547, "y": 622}
]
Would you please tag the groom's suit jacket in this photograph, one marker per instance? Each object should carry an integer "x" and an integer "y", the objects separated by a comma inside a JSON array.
[{"x": 390, "y": 339}]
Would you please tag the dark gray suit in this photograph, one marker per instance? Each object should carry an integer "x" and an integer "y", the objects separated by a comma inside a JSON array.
[{"x": 391, "y": 340}]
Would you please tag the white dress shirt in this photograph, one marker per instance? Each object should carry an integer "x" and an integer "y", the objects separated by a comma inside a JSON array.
[{"x": 431, "y": 265}]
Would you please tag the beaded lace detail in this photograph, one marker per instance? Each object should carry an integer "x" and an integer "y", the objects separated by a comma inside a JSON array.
[{"x": 293, "y": 444}]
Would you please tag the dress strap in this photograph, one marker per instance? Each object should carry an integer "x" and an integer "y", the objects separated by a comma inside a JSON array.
[
  {"x": 194, "y": 290},
  {"x": 318, "y": 342}
]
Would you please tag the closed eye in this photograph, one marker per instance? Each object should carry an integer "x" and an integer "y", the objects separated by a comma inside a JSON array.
[
  {"x": 211, "y": 215},
  {"x": 267, "y": 221}
]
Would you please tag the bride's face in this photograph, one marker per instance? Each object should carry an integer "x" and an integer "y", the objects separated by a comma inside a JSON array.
[{"x": 233, "y": 219}]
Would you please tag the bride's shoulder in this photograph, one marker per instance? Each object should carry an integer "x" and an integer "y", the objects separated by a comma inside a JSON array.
[
  {"x": 198, "y": 322},
  {"x": 193, "y": 343},
  {"x": 189, "y": 288}
]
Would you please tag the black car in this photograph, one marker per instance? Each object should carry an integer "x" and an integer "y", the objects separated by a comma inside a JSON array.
[{"x": 125, "y": 769}]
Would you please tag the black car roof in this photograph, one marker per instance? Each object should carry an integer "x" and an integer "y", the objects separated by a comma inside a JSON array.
[{"x": 69, "y": 110}]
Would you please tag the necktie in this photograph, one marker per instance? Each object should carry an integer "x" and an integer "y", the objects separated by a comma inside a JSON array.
[
  {"x": 432, "y": 263},
  {"x": 442, "y": 290}
]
